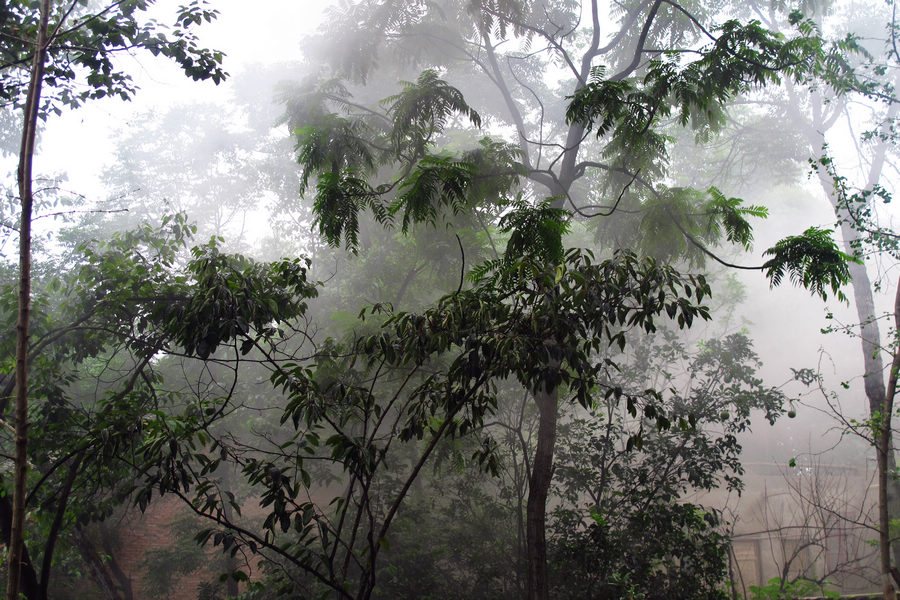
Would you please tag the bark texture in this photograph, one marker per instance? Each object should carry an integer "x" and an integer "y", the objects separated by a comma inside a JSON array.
[
  {"x": 26, "y": 157},
  {"x": 28, "y": 582},
  {"x": 885, "y": 469},
  {"x": 538, "y": 490},
  {"x": 97, "y": 568}
]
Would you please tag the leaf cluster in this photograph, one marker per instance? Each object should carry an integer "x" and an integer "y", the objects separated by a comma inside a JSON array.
[
  {"x": 420, "y": 379},
  {"x": 345, "y": 152},
  {"x": 535, "y": 234},
  {"x": 622, "y": 527},
  {"x": 857, "y": 209},
  {"x": 554, "y": 315},
  {"x": 84, "y": 43},
  {"x": 743, "y": 56},
  {"x": 812, "y": 260}
]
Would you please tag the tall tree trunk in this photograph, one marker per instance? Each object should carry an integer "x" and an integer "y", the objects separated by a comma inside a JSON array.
[
  {"x": 56, "y": 526},
  {"x": 885, "y": 469},
  {"x": 547, "y": 401},
  {"x": 231, "y": 563},
  {"x": 26, "y": 157},
  {"x": 29, "y": 585},
  {"x": 863, "y": 299},
  {"x": 873, "y": 372},
  {"x": 97, "y": 567},
  {"x": 110, "y": 563}
]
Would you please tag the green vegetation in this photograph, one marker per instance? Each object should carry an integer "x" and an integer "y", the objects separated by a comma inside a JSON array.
[{"x": 501, "y": 394}]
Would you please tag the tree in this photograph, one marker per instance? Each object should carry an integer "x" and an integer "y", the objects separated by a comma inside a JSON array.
[
  {"x": 105, "y": 332},
  {"x": 88, "y": 43},
  {"x": 538, "y": 313},
  {"x": 393, "y": 159},
  {"x": 29, "y": 134},
  {"x": 460, "y": 534},
  {"x": 816, "y": 112},
  {"x": 423, "y": 377},
  {"x": 621, "y": 528}
]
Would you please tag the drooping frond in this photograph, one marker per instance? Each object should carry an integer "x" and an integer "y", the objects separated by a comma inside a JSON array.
[
  {"x": 627, "y": 113},
  {"x": 434, "y": 182},
  {"x": 333, "y": 144},
  {"x": 343, "y": 151},
  {"x": 499, "y": 169},
  {"x": 362, "y": 28},
  {"x": 339, "y": 198},
  {"x": 422, "y": 110},
  {"x": 535, "y": 243},
  {"x": 677, "y": 222},
  {"x": 664, "y": 216},
  {"x": 310, "y": 100},
  {"x": 494, "y": 17},
  {"x": 729, "y": 215},
  {"x": 601, "y": 104},
  {"x": 811, "y": 260},
  {"x": 535, "y": 231}
]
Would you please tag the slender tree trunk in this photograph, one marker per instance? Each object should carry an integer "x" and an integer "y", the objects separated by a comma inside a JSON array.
[
  {"x": 110, "y": 563},
  {"x": 231, "y": 563},
  {"x": 521, "y": 486},
  {"x": 26, "y": 157},
  {"x": 97, "y": 567},
  {"x": 56, "y": 526},
  {"x": 29, "y": 585},
  {"x": 885, "y": 469},
  {"x": 538, "y": 491},
  {"x": 863, "y": 299},
  {"x": 870, "y": 343}
]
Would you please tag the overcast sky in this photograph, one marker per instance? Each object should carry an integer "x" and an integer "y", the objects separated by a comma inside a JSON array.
[{"x": 249, "y": 33}]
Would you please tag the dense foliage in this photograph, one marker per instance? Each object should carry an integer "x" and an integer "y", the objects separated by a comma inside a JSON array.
[{"x": 544, "y": 384}]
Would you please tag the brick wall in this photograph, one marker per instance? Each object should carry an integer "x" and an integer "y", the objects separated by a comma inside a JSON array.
[{"x": 136, "y": 536}]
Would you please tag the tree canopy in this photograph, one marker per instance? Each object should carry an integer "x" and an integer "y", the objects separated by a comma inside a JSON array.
[{"x": 523, "y": 148}]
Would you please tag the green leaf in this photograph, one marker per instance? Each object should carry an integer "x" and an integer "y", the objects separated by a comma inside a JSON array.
[{"x": 812, "y": 260}]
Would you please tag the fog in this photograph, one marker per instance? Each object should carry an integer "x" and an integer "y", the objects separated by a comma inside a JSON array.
[{"x": 414, "y": 303}]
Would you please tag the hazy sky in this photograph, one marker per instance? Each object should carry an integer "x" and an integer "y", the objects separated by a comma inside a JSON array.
[{"x": 249, "y": 33}]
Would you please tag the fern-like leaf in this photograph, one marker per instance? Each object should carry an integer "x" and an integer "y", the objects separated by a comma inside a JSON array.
[
  {"x": 436, "y": 181},
  {"x": 732, "y": 216},
  {"x": 535, "y": 231},
  {"x": 339, "y": 198},
  {"x": 812, "y": 260},
  {"x": 333, "y": 144},
  {"x": 422, "y": 109}
]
